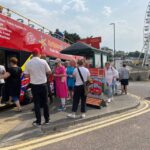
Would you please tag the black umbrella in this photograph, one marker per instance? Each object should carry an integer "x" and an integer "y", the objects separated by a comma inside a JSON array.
[{"x": 80, "y": 49}]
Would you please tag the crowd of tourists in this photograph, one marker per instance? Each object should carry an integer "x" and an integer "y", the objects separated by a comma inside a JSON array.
[{"x": 69, "y": 78}]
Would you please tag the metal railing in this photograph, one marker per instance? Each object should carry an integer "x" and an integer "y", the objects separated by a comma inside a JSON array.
[{"x": 31, "y": 23}]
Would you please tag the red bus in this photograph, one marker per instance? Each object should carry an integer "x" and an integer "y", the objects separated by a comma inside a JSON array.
[{"x": 19, "y": 35}]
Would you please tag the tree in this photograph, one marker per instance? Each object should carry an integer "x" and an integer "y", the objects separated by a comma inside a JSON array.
[
  {"x": 120, "y": 54},
  {"x": 71, "y": 37},
  {"x": 136, "y": 54}
]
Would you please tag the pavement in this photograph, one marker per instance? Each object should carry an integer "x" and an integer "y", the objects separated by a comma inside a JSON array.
[{"x": 15, "y": 127}]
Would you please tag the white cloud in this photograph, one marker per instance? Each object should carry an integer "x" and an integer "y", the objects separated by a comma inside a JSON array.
[
  {"x": 107, "y": 11},
  {"x": 79, "y": 5},
  {"x": 76, "y": 5},
  {"x": 87, "y": 20},
  {"x": 30, "y": 6},
  {"x": 65, "y": 8},
  {"x": 128, "y": 1},
  {"x": 54, "y": 1}
]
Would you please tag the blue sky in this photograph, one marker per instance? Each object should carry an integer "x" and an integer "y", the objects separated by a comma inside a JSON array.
[{"x": 89, "y": 17}]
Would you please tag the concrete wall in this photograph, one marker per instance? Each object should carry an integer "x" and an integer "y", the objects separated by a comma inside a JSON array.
[{"x": 139, "y": 75}]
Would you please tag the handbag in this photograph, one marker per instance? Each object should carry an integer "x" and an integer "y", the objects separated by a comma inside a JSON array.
[{"x": 84, "y": 83}]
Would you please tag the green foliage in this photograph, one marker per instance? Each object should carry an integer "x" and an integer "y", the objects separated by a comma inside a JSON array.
[
  {"x": 120, "y": 54},
  {"x": 135, "y": 54},
  {"x": 72, "y": 37}
]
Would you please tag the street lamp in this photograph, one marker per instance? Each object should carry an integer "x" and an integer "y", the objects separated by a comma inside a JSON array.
[{"x": 114, "y": 29}]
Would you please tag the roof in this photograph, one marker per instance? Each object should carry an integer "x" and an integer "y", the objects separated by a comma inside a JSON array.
[{"x": 80, "y": 49}]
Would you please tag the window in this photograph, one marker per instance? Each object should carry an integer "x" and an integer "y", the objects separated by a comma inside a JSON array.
[
  {"x": 97, "y": 60},
  {"x": 104, "y": 59}
]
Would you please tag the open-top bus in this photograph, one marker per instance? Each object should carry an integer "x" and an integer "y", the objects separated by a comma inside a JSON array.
[{"x": 19, "y": 35}]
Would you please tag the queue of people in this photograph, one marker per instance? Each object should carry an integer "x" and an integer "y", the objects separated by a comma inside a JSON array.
[
  {"x": 72, "y": 78},
  {"x": 70, "y": 84}
]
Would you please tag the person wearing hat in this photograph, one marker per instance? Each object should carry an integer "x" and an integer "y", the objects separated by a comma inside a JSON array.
[
  {"x": 61, "y": 83},
  {"x": 37, "y": 69}
]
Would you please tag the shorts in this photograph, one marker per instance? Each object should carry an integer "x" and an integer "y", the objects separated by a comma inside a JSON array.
[
  {"x": 1, "y": 89},
  {"x": 15, "y": 98},
  {"x": 71, "y": 88},
  {"x": 124, "y": 82}
]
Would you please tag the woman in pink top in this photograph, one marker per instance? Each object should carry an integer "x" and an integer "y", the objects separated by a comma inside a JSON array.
[{"x": 61, "y": 83}]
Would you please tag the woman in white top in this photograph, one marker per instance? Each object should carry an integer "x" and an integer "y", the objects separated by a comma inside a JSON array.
[
  {"x": 110, "y": 75},
  {"x": 2, "y": 82},
  {"x": 81, "y": 75}
]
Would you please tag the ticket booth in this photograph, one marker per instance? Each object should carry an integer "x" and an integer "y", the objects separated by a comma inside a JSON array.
[{"x": 96, "y": 57}]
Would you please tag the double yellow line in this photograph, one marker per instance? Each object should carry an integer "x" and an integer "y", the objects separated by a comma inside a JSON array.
[{"x": 36, "y": 143}]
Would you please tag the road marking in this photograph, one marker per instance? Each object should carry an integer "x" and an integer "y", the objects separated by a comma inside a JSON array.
[
  {"x": 81, "y": 132},
  {"x": 65, "y": 135}
]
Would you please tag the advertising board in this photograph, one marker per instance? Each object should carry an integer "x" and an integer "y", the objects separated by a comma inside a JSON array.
[{"x": 18, "y": 36}]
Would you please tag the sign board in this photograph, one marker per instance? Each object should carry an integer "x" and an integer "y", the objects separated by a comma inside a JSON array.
[
  {"x": 97, "y": 72},
  {"x": 18, "y": 36},
  {"x": 95, "y": 89}
]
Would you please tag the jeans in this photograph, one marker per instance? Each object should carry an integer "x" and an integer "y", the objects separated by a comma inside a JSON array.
[
  {"x": 79, "y": 94},
  {"x": 40, "y": 97},
  {"x": 110, "y": 91},
  {"x": 114, "y": 87}
]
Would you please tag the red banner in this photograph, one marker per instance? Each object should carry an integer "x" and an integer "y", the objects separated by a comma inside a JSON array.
[
  {"x": 95, "y": 42},
  {"x": 18, "y": 36}
]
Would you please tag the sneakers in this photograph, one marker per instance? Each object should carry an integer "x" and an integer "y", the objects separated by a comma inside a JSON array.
[
  {"x": 46, "y": 123},
  {"x": 73, "y": 116},
  {"x": 109, "y": 100},
  {"x": 1, "y": 105},
  {"x": 61, "y": 108},
  {"x": 35, "y": 124},
  {"x": 83, "y": 116}
]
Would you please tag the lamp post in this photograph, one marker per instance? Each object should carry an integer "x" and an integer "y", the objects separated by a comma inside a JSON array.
[{"x": 114, "y": 30}]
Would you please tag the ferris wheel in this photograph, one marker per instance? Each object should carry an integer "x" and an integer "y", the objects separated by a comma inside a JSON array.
[{"x": 146, "y": 36}]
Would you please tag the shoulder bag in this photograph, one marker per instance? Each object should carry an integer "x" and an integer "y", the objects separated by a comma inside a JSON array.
[{"x": 84, "y": 83}]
